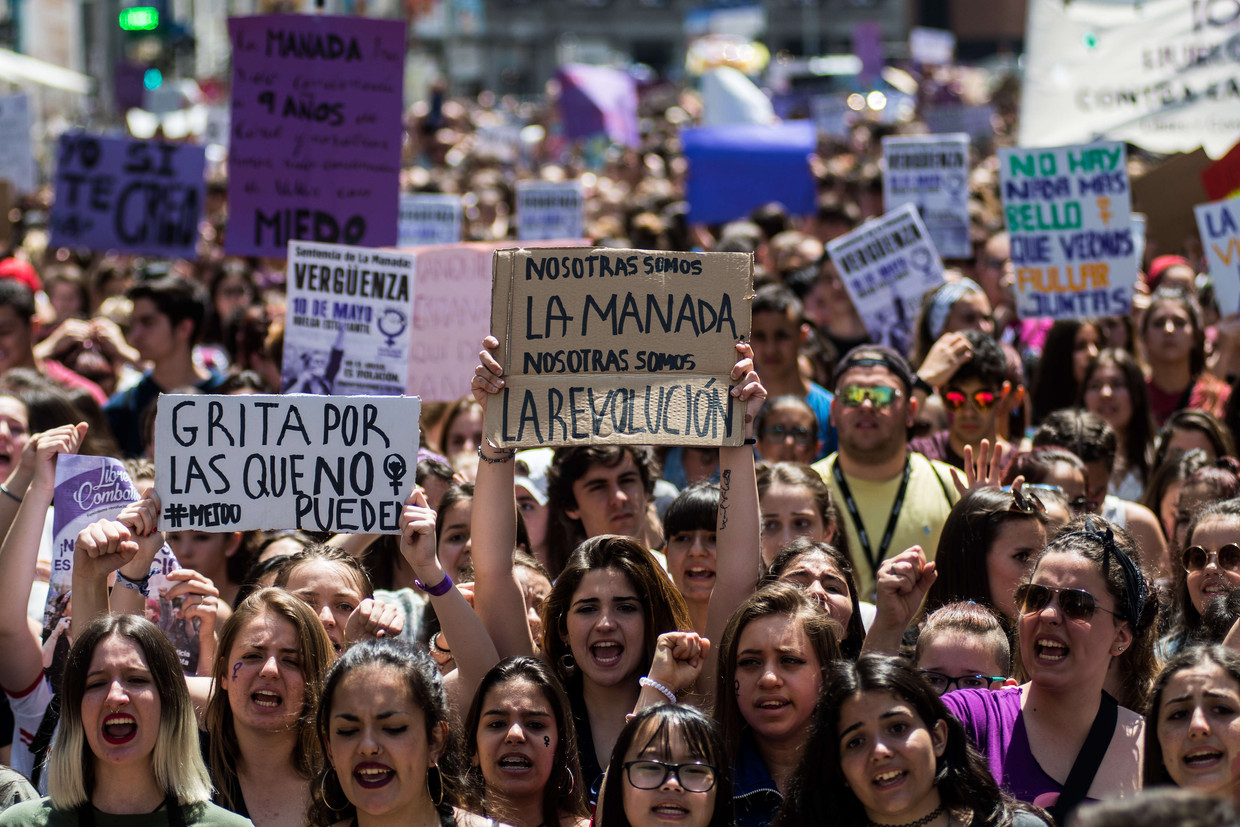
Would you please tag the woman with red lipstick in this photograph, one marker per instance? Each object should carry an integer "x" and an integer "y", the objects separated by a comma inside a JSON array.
[
  {"x": 263, "y": 750},
  {"x": 126, "y": 751},
  {"x": 771, "y": 662},
  {"x": 1208, "y": 567},
  {"x": 1193, "y": 737},
  {"x": 1060, "y": 739},
  {"x": 523, "y": 749},
  {"x": 885, "y": 751},
  {"x": 383, "y": 720},
  {"x": 669, "y": 769}
]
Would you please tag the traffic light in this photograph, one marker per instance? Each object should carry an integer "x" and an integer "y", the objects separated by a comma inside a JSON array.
[{"x": 139, "y": 19}]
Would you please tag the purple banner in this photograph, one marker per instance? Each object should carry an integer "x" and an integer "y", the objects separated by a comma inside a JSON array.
[
  {"x": 598, "y": 99},
  {"x": 316, "y": 132},
  {"x": 129, "y": 195}
]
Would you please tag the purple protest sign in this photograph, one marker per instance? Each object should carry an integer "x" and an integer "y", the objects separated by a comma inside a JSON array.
[
  {"x": 129, "y": 195},
  {"x": 316, "y": 131}
]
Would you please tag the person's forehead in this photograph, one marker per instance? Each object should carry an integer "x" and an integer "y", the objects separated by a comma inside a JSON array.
[
  {"x": 601, "y": 469},
  {"x": 971, "y": 384},
  {"x": 869, "y": 375},
  {"x": 774, "y": 319}
]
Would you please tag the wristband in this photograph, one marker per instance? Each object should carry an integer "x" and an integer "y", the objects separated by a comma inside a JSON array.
[
  {"x": 653, "y": 684},
  {"x": 142, "y": 586},
  {"x": 753, "y": 440},
  {"x": 494, "y": 460},
  {"x": 4, "y": 489},
  {"x": 920, "y": 384},
  {"x": 435, "y": 645},
  {"x": 437, "y": 590}
]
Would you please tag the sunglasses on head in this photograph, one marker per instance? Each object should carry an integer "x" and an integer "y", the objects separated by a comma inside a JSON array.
[
  {"x": 1026, "y": 502},
  {"x": 880, "y": 396},
  {"x": 1083, "y": 505},
  {"x": 1227, "y": 558},
  {"x": 982, "y": 401},
  {"x": 799, "y": 433},
  {"x": 1076, "y": 604}
]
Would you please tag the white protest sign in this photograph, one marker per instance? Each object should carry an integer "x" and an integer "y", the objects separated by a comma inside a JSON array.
[
  {"x": 428, "y": 218},
  {"x": 887, "y": 265},
  {"x": 1219, "y": 225},
  {"x": 319, "y": 463},
  {"x": 1161, "y": 74},
  {"x": 926, "y": 45},
  {"x": 346, "y": 329},
  {"x": 1068, "y": 212},
  {"x": 831, "y": 115},
  {"x": 976, "y": 121},
  {"x": 16, "y": 152},
  {"x": 931, "y": 172},
  {"x": 547, "y": 210}
]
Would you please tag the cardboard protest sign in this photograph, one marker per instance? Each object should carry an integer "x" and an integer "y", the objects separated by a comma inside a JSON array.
[
  {"x": 428, "y": 218},
  {"x": 1167, "y": 194},
  {"x": 734, "y": 169},
  {"x": 1068, "y": 214},
  {"x": 451, "y": 315},
  {"x": 316, "y": 131},
  {"x": 134, "y": 196},
  {"x": 320, "y": 463},
  {"x": 346, "y": 329},
  {"x": 931, "y": 172},
  {"x": 887, "y": 265},
  {"x": 1220, "y": 237},
  {"x": 547, "y": 209},
  {"x": 618, "y": 346},
  {"x": 1161, "y": 74},
  {"x": 16, "y": 152}
]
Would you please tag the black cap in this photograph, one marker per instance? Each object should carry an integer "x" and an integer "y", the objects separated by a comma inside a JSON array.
[{"x": 865, "y": 356}]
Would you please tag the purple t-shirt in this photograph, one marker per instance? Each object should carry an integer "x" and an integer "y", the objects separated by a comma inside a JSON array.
[{"x": 994, "y": 722}]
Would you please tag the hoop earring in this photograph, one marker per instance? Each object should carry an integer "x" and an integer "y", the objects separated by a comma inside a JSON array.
[
  {"x": 438, "y": 783},
  {"x": 572, "y": 782},
  {"x": 323, "y": 790},
  {"x": 568, "y": 663}
]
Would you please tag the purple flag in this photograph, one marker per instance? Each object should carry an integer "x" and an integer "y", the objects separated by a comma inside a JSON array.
[
  {"x": 124, "y": 194},
  {"x": 316, "y": 131},
  {"x": 733, "y": 169},
  {"x": 596, "y": 99},
  {"x": 867, "y": 45}
]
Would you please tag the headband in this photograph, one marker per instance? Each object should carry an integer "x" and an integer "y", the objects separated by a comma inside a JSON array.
[
  {"x": 941, "y": 304},
  {"x": 1135, "y": 587}
]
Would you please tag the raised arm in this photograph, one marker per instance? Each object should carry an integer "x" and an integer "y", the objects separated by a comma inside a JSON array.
[
  {"x": 474, "y": 652},
  {"x": 22, "y": 662},
  {"x": 493, "y": 533},
  {"x": 738, "y": 538},
  {"x": 101, "y": 548},
  {"x": 903, "y": 581}
]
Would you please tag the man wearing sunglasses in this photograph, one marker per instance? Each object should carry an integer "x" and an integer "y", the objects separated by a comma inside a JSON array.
[
  {"x": 973, "y": 397},
  {"x": 891, "y": 498}
]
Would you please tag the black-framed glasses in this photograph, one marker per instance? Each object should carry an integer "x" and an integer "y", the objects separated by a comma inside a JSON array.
[
  {"x": 880, "y": 396},
  {"x": 1083, "y": 505},
  {"x": 1227, "y": 558},
  {"x": 982, "y": 401},
  {"x": 942, "y": 684},
  {"x": 1076, "y": 604},
  {"x": 780, "y": 433},
  {"x": 694, "y": 776}
]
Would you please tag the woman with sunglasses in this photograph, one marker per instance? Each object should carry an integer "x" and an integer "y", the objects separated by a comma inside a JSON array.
[
  {"x": 1193, "y": 737},
  {"x": 1209, "y": 568},
  {"x": 787, "y": 431},
  {"x": 1060, "y": 739},
  {"x": 669, "y": 767}
]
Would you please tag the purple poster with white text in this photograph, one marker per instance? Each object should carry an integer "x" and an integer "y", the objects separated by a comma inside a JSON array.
[
  {"x": 316, "y": 131},
  {"x": 128, "y": 195}
]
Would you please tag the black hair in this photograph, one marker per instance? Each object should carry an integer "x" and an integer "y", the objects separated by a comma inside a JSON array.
[
  {"x": 988, "y": 365},
  {"x": 1083, "y": 433},
  {"x": 175, "y": 297}
]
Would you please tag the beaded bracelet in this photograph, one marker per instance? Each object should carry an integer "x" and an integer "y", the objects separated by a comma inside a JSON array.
[{"x": 496, "y": 461}]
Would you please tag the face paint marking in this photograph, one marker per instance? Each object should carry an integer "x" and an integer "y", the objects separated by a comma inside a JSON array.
[
  {"x": 546, "y": 740},
  {"x": 236, "y": 669}
]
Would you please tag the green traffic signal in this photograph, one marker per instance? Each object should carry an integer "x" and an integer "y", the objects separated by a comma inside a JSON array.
[{"x": 139, "y": 19}]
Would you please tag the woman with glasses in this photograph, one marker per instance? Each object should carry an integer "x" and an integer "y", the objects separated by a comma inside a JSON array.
[
  {"x": 1060, "y": 738},
  {"x": 885, "y": 750},
  {"x": 669, "y": 767},
  {"x": 1209, "y": 568},
  {"x": 787, "y": 431}
]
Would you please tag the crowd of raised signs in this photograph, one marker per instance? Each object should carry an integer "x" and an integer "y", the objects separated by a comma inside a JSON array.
[{"x": 989, "y": 581}]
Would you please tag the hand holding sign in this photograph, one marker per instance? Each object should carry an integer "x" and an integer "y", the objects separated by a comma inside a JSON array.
[
  {"x": 65, "y": 439},
  {"x": 749, "y": 388},
  {"x": 140, "y": 518},
  {"x": 489, "y": 375},
  {"x": 200, "y": 599}
]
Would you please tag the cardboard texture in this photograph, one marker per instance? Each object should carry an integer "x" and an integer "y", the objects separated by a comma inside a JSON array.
[
  {"x": 1219, "y": 224},
  {"x": 276, "y": 461},
  {"x": 605, "y": 346},
  {"x": 1166, "y": 195}
]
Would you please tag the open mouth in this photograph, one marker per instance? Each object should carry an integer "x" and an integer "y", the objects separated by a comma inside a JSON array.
[
  {"x": 119, "y": 729},
  {"x": 668, "y": 810},
  {"x": 890, "y": 778},
  {"x": 699, "y": 574},
  {"x": 772, "y": 704},
  {"x": 607, "y": 653},
  {"x": 1051, "y": 651},
  {"x": 372, "y": 776},
  {"x": 266, "y": 700},
  {"x": 515, "y": 763},
  {"x": 1200, "y": 759}
]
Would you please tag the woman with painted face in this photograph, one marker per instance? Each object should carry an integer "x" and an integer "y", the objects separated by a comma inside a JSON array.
[
  {"x": 126, "y": 751},
  {"x": 885, "y": 751}
]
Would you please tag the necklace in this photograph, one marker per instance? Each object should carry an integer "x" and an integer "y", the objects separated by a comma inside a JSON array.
[{"x": 921, "y": 822}]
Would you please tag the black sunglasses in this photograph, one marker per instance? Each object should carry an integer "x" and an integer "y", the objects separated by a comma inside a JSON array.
[
  {"x": 799, "y": 433},
  {"x": 1076, "y": 604}
]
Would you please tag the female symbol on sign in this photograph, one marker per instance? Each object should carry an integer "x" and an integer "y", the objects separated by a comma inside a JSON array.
[{"x": 394, "y": 467}]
